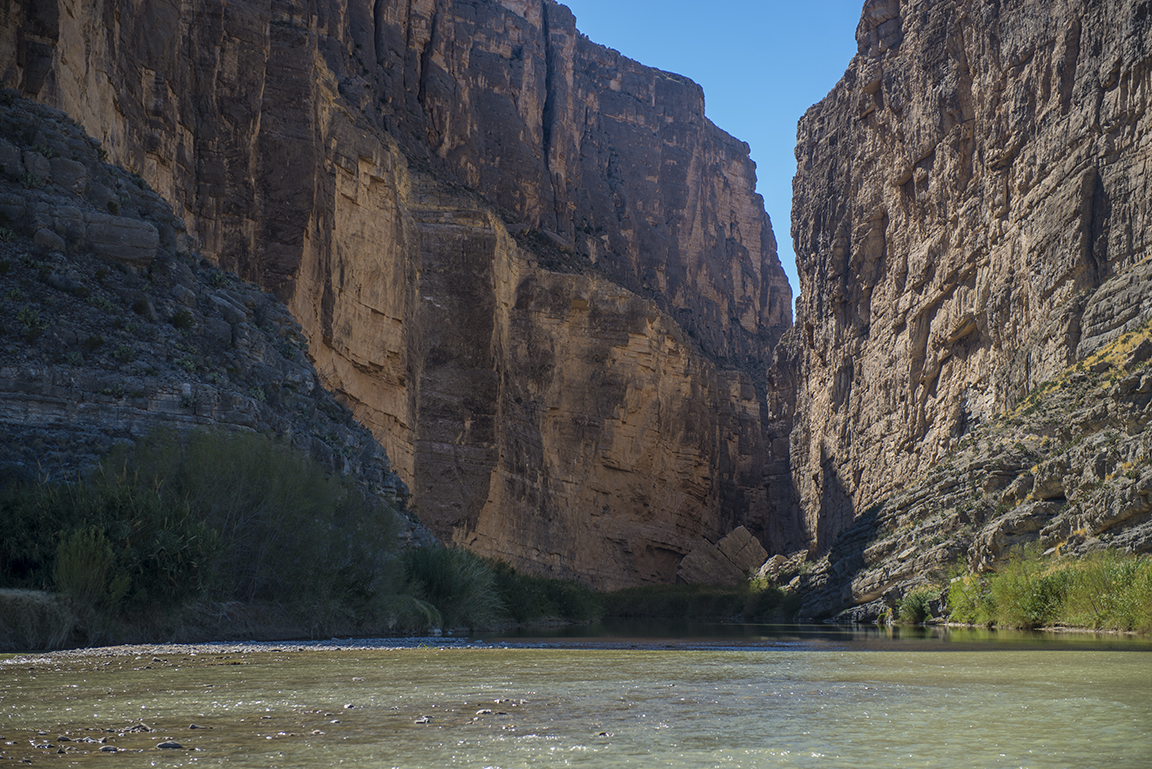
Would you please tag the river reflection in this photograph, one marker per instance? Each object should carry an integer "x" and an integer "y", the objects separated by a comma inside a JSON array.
[
  {"x": 816, "y": 637},
  {"x": 788, "y": 696}
]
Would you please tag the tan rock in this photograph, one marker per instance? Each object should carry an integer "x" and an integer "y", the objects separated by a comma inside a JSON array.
[
  {"x": 583, "y": 399},
  {"x": 976, "y": 174},
  {"x": 728, "y": 562}
]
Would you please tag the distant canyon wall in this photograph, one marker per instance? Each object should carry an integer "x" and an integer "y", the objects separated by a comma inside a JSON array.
[
  {"x": 530, "y": 265},
  {"x": 980, "y": 169}
]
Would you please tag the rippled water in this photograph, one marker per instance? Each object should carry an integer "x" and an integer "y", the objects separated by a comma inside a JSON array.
[{"x": 741, "y": 706}]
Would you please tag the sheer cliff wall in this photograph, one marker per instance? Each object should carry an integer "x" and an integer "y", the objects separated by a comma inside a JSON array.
[
  {"x": 531, "y": 266},
  {"x": 981, "y": 168}
]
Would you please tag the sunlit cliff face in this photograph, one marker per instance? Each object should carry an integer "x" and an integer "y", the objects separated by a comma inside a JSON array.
[
  {"x": 978, "y": 171},
  {"x": 566, "y": 363}
]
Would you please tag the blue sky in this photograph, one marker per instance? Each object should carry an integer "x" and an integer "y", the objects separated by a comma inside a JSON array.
[{"x": 762, "y": 63}]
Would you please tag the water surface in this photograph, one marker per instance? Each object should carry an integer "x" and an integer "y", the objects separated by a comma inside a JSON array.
[{"x": 820, "y": 703}]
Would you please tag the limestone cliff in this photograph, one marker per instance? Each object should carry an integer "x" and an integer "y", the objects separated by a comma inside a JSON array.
[
  {"x": 531, "y": 266},
  {"x": 980, "y": 170},
  {"x": 113, "y": 327}
]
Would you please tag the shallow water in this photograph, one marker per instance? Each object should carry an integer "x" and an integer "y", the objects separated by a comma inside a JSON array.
[{"x": 745, "y": 706}]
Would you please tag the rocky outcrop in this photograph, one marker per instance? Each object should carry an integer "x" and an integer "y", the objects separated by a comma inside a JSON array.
[
  {"x": 530, "y": 265},
  {"x": 961, "y": 193},
  {"x": 728, "y": 562},
  {"x": 1070, "y": 467},
  {"x": 113, "y": 327}
]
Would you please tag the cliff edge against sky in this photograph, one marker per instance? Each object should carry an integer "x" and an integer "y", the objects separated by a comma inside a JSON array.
[
  {"x": 544, "y": 280},
  {"x": 961, "y": 195}
]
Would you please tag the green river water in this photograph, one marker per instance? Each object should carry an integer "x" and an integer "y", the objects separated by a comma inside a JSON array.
[{"x": 756, "y": 701}]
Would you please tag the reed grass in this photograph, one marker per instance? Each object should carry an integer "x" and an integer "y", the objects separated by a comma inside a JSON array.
[
  {"x": 1107, "y": 590},
  {"x": 34, "y": 620},
  {"x": 460, "y": 585}
]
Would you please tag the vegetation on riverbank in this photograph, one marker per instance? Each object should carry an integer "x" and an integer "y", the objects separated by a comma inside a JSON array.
[
  {"x": 217, "y": 535},
  {"x": 1107, "y": 590},
  {"x": 206, "y": 534},
  {"x": 755, "y": 600}
]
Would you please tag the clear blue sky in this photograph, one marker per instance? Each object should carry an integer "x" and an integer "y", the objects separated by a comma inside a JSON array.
[{"x": 762, "y": 63}]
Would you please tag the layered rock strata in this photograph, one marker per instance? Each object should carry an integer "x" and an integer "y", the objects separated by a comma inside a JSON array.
[
  {"x": 979, "y": 171},
  {"x": 728, "y": 562},
  {"x": 530, "y": 265},
  {"x": 113, "y": 327},
  {"x": 1070, "y": 467}
]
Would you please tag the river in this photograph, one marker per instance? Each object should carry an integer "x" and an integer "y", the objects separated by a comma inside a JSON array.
[{"x": 749, "y": 696}]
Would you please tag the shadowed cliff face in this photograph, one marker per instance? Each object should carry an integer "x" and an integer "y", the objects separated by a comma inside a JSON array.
[
  {"x": 980, "y": 169},
  {"x": 531, "y": 266}
]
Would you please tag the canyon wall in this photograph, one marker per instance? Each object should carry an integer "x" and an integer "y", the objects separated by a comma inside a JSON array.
[
  {"x": 981, "y": 168},
  {"x": 532, "y": 267}
]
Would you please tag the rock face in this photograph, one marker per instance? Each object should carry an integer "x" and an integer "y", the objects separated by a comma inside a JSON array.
[
  {"x": 531, "y": 266},
  {"x": 728, "y": 562},
  {"x": 112, "y": 327},
  {"x": 961, "y": 193},
  {"x": 1070, "y": 468}
]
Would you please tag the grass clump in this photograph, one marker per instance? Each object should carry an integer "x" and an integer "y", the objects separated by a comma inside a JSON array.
[
  {"x": 1105, "y": 591},
  {"x": 33, "y": 619},
  {"x": 529, "y": 598},
  {"x": 467, "y": 591},
  {"x": 460, "y": 585}
]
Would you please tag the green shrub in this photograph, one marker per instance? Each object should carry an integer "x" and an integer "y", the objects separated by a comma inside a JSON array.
[
  {"x": 1026, "y": 592},
  {"x": 527, "y": 598},
  {"x": 183, "y": 319},
  {"x": 674, "y": 602},
  {"x": 30, "y": 317},
  {"x": 766, "y": 602},
  {"x": 970, "y": 601},
  {"x": 914, "y": 608},
  {"x": 459, "y": 584},
  {"x": 225, "y": 516},
  {"x": 1110, "y": 591},
  {"x": 82, "y": 570},
  {"x": 286, "y": 528},
  {"x": 753, "y": 601},
  {"x": 1107, "y": 590}
]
